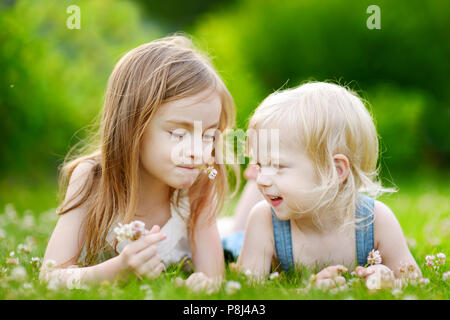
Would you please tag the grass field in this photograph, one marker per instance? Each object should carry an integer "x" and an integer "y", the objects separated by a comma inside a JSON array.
[{"x": 422, "y": 206}]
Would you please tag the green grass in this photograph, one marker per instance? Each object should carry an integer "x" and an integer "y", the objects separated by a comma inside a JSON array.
[{"x": 422, "y": 206}]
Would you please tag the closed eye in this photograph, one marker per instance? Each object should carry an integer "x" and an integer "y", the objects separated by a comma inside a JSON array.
[{"x": 208, "y": 138}]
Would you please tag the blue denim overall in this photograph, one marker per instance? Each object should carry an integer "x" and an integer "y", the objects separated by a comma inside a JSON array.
[
  {"x": 283, "y": 240},
  {"x": 364, "y": 234}
]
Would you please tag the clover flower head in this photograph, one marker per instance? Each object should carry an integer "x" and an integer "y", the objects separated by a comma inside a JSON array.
[
  {"x": 19, "y": 273},
  {"x": 23, "y": 248},
  {"x": 440, "y": 259},
  {"x": 430, "y": 258},
  {"x": 50, "y": 264},
  {"x": 446, "y": 275},
  {"x": 396, "y": 292},
  {"x": 248, "y": 272},
  {"x": 374, "y": 257},
  {"x": 131, "y": 231},
  {"x": 35, "y": 262},
  {"x": 231, "y": 287},
  {"x": 210, "y": 171},
  {"x": 54, "y": 284},
  {"x": 12, "y": 261},
  {"x": 274, "y": 275}
]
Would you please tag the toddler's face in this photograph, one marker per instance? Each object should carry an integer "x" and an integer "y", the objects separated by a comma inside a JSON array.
[
  {"x": 179, "y": 138},
  {"x": 287, "y": 186}
]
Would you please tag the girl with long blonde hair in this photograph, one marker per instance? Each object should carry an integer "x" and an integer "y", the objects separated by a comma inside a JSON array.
[{"x": 157, "y": 96}]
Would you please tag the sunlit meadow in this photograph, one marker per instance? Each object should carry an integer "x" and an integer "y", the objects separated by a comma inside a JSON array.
[{"x": 422, "y": 207}]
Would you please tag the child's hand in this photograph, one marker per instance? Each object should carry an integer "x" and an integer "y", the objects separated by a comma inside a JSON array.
[
  {"x": 365, "y": 272},
  {"x": 377, "y": 276},
  {"x": 330, "y": 277},
  {"x": 141, "y": 256},
  {"x": 199, "y": 282}
]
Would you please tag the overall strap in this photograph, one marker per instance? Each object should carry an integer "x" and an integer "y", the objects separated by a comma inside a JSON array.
[
  {"x": 283, "y": 241},
  {"x": 364, "y": 228}
]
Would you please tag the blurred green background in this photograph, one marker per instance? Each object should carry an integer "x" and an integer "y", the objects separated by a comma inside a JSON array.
[{"x": 53, "y": 78}]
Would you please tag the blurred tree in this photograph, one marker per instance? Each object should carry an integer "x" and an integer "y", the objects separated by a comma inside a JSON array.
[
  {"x": 176, "y": 15},
  {"x": 261, "y": 46},
  {"x": 53, "y": 78}
]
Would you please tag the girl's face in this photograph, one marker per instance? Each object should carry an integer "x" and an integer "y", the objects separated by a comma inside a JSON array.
[
  {"x": 286, "y": 186},
  {"x": 179, "y": 138}
]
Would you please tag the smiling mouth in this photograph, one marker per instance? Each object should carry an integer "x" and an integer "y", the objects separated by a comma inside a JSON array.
[{"x": 274, "y": 200}]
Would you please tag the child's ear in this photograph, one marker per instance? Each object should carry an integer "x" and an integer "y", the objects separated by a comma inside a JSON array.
[{"x": 342, "y": 166}]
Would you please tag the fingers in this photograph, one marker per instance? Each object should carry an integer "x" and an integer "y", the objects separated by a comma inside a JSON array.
[
  {"x": 363, "y": 272},
  {"x": 339, "y": 281},
  {"x": 146, "y": 241},
  {"x": 154, "y": 229},
  {"x": 151, "y": 268}
]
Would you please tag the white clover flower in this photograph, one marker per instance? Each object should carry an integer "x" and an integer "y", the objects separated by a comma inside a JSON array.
[
  {"x": 27, "y": 286},
  {"x": 131, "y": 231},
  {"x": 396, "y": 292},
  {"x": 231, "y": 287},
  {"x": 212, "y": 173},
  {"x": 430, "y": 258},
  {"x": 144, "y": 287},
  {"x": 28, "y": 222},
  {"x": 248, "y": 272},
  {"x": 440, "y": 259},
  {"x": 23, "y": 248},
  {"x": 54, "y": 284},
  {"x": 149, "y": 295},
  {"x": 50, "y": 264},
  {"x": 19, "y": 273},
  {"x": 74, "y": 280},
  {"x": 429, "y": 263},
  {"x": 354, "y": 281},
  {"x": 12, "y": 254},
  {"x": 274, "y": 275},
  {"x": 446, "y": 275},
  {"x": 374, "y": 257},
  {"x": 12, "y": 261},
  {"x": 35, "y": 262},
  {"x": 424, "y": 281}
]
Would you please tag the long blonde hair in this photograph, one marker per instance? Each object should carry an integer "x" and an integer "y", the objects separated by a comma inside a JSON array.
[
  {"x": 326, "y": 119},
  {"x": 146, "y": 77}
]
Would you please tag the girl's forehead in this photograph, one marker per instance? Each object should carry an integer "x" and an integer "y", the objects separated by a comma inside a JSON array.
[{"x": 201, "y": 107}]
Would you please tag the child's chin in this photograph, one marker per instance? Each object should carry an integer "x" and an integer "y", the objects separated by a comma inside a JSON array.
[{"x": 281, "y": 215}]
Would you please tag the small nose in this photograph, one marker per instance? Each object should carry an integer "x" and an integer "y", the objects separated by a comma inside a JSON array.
[
  {"x": 263, "y": 179},
  {"x": 195, "y": 154}
]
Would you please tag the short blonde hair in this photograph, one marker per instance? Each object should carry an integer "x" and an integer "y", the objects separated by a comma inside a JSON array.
[{"x": 327, "y": 119}]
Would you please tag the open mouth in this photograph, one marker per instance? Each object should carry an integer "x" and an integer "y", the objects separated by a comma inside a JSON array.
[{"x": 275, "y": 200}]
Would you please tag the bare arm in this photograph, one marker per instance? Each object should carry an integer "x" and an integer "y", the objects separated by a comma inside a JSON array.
[
  {"x": 390, "y": 241},
  {"x": 207, "y": 251},
  {"x": 258, "y": 247},
  {"x": 67, "y": 238}
]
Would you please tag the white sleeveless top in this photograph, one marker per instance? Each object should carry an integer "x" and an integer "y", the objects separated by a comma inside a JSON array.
[{"x": 176, "y": 246}]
